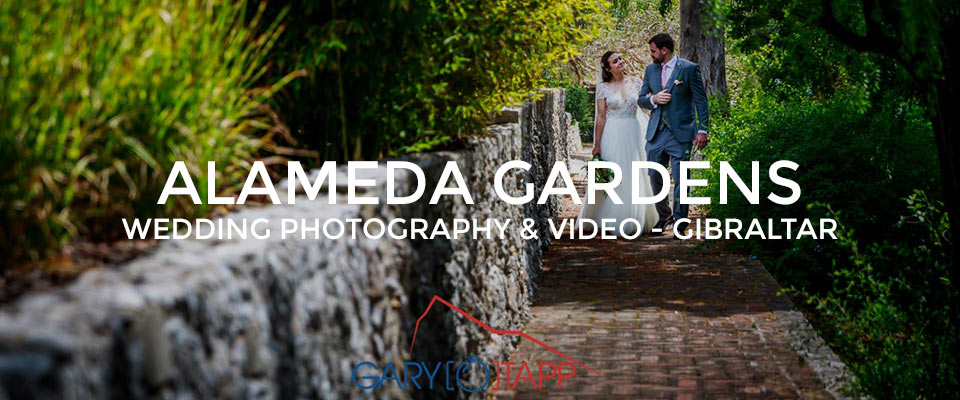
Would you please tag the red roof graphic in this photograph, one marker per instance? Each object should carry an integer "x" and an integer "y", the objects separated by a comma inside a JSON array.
[{"x": 491, "y": 330}]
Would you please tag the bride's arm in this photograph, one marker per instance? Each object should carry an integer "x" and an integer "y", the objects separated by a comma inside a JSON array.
[{"x": 601, "y": 120}]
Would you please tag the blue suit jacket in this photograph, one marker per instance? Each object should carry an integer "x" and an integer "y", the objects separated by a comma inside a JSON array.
[{"x": 688, "y": 98}]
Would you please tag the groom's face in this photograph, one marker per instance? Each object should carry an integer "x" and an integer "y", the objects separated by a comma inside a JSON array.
[{"x": 656, "y": 53}]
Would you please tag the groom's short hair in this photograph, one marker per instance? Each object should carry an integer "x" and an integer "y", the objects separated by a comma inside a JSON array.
[{"x": 662, "y": 40}]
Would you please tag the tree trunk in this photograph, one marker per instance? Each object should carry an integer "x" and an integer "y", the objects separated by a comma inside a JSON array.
[
  {"x": 702, "y": 45},
  {"x": 946, "y": 128}
]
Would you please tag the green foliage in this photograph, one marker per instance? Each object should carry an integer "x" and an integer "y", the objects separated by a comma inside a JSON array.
[
  {"x": 580, "y": 105},
  {"x": 664, "y": 6},
  {"x": 882, "y": 309},
  {"x": 600, "y": 175},
  {"x": 889, "y": 307},
  {"x": 844, "y": 146},
  {"x": 379, "y": 86},
  {"x": 100, "y": 98},
  {"x": 788, "y": 45},
  {"x": 882, "y": 291}
]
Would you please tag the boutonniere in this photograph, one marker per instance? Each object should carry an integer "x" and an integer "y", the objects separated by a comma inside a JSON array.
[{"x": 679, "y": 81}]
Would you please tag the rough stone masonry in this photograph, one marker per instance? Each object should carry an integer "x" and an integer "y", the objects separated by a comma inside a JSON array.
[{"x": 289, "y": 319}]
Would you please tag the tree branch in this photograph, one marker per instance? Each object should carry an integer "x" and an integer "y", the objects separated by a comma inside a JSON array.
[{"x": 875, "y": 41}]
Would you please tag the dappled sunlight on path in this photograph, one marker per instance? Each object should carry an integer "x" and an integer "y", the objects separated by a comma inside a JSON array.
[{"x": 662, "y": 318}]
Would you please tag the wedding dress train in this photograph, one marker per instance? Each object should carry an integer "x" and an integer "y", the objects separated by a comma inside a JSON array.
[{"x": 622, "y": 143}]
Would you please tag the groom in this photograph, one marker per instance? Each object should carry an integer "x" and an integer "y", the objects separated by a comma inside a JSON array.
[{"x": 673, "y": 89}]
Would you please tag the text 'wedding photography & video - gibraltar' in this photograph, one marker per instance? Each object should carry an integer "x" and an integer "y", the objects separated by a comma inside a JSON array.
[{"x": 479, "y": 199}]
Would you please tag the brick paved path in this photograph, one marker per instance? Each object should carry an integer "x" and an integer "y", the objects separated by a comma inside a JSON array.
[{"x": 660, "y": 318}]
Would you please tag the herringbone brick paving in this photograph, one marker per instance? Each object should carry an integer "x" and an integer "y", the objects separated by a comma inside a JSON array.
[{"x": 660, "y": 318}]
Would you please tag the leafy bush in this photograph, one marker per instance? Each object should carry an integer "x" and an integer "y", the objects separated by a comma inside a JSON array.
[
  {"x": 889, "y": 308},
  {"x": 100, "y": 98},
  {"x": 581, "y": 108},
  {"x": 409, "y": 76},
  {"x": 879, "y": 294},
  {"x": 854, "y": 156}
]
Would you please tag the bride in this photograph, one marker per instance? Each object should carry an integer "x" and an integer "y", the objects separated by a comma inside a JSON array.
[{"x": 619, "y": 138}]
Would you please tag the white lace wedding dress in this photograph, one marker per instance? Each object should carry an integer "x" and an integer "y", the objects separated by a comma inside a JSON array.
[{"x": 623, "y": 141}]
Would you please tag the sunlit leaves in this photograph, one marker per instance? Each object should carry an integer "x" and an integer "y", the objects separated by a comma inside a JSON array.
[{"x": 435, "y": 70}]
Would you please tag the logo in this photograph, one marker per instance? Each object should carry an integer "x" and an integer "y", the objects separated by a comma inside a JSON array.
[{"x": 450, "y": 375}]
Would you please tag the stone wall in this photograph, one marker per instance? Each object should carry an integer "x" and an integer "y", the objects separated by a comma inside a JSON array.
[{"x": 290, "y": 318}]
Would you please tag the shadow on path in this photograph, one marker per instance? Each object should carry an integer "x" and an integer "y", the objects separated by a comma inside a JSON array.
[{"x": 660, "y": 318}]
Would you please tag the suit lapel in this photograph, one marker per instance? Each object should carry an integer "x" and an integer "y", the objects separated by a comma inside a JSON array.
[
  {"x": 656, "y": 78},
  {"x": 673, "y": 74}
]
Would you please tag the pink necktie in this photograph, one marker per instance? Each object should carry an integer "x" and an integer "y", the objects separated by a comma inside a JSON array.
[{"x": 663, "y": 77}]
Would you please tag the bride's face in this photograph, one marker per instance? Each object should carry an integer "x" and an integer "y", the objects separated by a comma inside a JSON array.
[{"x": 617, "y": 64}]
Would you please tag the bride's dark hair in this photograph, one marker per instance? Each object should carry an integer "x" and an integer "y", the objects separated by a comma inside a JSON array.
[{"x": 605, "y": 66}]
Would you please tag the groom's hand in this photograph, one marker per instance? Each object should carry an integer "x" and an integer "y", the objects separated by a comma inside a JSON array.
[
  {"x": 662, "y": 98},
  {"x": 701, "y": 141}
]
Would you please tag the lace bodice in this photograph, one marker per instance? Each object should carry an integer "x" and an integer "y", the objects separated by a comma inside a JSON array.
[{"x": 621, "y": 97}]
